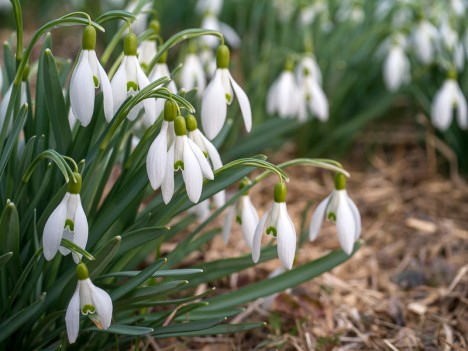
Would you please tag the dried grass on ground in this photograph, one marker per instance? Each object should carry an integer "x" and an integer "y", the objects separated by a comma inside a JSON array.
[{"x": 405, "y": 289}]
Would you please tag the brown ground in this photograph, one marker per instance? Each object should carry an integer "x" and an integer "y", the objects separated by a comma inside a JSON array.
[{"x": 405, "y": 289}]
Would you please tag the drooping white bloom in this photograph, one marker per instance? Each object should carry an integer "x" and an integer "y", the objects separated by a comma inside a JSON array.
[
  {"x": 425, "y": 36},
  {"x": 218, "y": 94},
  {"x": 244, "y": 212},
  {"x": 458, "y": 7},
  {"x": 86, "y": 78},
  {"x": 277, "y": 222},
  {"x": 450, "y": 43},
  {"x": 182, "y": 155},
  {"x": 192, "y": 74},
  {"x": 147, "y": 50},
  {"x": 6, "y": 100},
  {"x": 88, "y": 300},
  {"x": 67, "y": 221},
  {"x": 1, "y": 79},
  {"x": 396, "y": 70},
  {"x": 161, "y": 70},
  {"x": 338, "y": 207},
  {"x": 284, "y": 96},
  {"x": 140, "y": 23},
  {"x": 209, "y": 6},
  {"x": 308, "y": 68},
  {"x": 448, "y": 98},
  {"x": 129, "y": 80},
  {"x": 211, "y": 22}
]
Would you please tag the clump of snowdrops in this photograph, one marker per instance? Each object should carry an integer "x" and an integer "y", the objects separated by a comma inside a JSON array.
[{"x": 103, "y": 162}]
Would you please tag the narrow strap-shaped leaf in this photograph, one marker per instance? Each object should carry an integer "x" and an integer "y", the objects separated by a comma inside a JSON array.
[
  {"x": 5, "y": 258},
  {"x": 137, "y": 280},
  {"x": 76, "y": 249},
  {"x": 104, "y": 256},
  {"x": 124, "y": 330},
  {"x": 10, "y": 325},
  {"x": 181, "y": 328},
  {"x": 160, "y": 273},
  {"x": 215, "y": 330},
  {"x": 113, "y": 15},
  {"x": 9, "y": 236},
  {"x": 139, "y": 237}
]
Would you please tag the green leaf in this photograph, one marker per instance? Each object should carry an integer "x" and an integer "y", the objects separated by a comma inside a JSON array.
[
  {"x": 104, "y": 256},
  {"x": 281, "y": 282},
  {"x": 215, "y": 330},
  {"x": 12, "y": 324},
  {"x": 152, "y": 292},
  {"x": 139, "y": 237},
  {"x": 160, "y": 273},
  {"x": 137, "y": 280},
  {"x": 181, "y": 328},
  {"x": 70, "y": 245},
  {"x": 56, "y": 107},
  {"x": 9, "y": 236},
  {"x": 123, "y": 330},
  {"x": 114, "y": 15},
  {"x": 5, "y": 258}
]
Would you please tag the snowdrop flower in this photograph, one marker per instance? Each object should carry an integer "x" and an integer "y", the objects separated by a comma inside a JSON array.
[
  {"x": 458, "y": 7},
  {"x": 192, "y": 74},
  {"x": 88, "y": 300},
  {"x": 86, "y": 78},
  {"x": 211, "y": 22},
  {"x": 130, "y": 79},
  {"x": 308, "y": 67},
  {"x": 6, "y": 98},
  {"x": 245, "y": 214},
  {"x": 424, "y": 39},
  {"x": 5, "y": 6},
  {"x": 338, "y": 207},
  {"x": 209, "y": 6},
  {"x": 451, "y": 44},
  {"x": 67, "y": 221},
  {"x": 157, "y": 155},
  {"x": 448, "y": 98},
  {"x": 219, "y": 93},
  {"x": 278, "y": 224},
  {"x": 147, "y": 51},
  {"x": 140, "y": 23},
  {"x": 183, "y": 155},
  {"x": 1, "y": 79},
  {"x": 284, "y": 94},
  {"x": 396, "y": 68}
]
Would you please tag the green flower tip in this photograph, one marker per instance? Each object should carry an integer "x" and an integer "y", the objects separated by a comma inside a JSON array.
[
  {"x": 163, "y": 58},
  {"x": 222, "y": 57},
  {"x": 452, "y": 74},
  {"x": 82, "y": 271},
  {"x": 25, "y": 75},
  {"x": 191, "y": 123},
  {"x": 170, "y": 111},
  {"x": 180, "y": 127},
  {"x": 89, "y": 38},
  {"x": 289, "y": 65},
  {"x": 74, "y": 188},
  {"x": 280, "y": 192},
  {"x": 130, "y": 45},
  {"x": 340, "y": 181},
  {"x": 155, "y": 26}
]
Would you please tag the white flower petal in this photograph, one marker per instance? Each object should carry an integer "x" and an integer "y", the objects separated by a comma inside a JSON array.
[
  {"x": 244, "y": 104},
  {"x": 204, "y": 165},
  {"x": 82, "y": 90},
  {"x": 192, "y": 174},
  {"x": 249, "y": 218},
  {"x": 214, "y": 107},
  {"x": 230, "y": 34},
  {"x": 72, "y": 317},
  {"x": 357, "y": 218},
  {"x": 345, "y": 225},
  {"x": 318, "y": 102},
  {"x": 53, "y": 229},
  {"x": 167, "y": 186},
  {"x": 228, "y": 223},
  {"x": 317, "y": 219},
  {"x": 4, "y": 106},
  {"x": 149, "y": 104},
  {"x": 103, "y": 305},
  {"x": 462, "y": 116},
  {"x": 81, "y": 229},
  {"x": 257, "y": 239},
  {"x": 106, "y": 91},
  {"x": 119, "y": 85},
  {"x": 157, "y": 158},
  {"x": 213, "y": 154},
  {"x": 441, "y": 110},
  {"x": 286, "y": 238},
  {"x": 220, "y": 199}
]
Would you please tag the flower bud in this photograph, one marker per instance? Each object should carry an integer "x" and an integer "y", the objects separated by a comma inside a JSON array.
[
  {"x": 340, "y": 181},
  {"x": 130, "y": 45},
  {"x": 280, "y": 192},
  {"x": 180, "y": 127},
  {"x": 222, "y": 57},
  {"x": 170, "y": 111},
  {"x": 74, "y": 188},
  {"x": 89, "y": 38},
  {"x": 191, "y": 123},
  {"x": 289, "y": 65},
  {"x": 82, "y": 271}
]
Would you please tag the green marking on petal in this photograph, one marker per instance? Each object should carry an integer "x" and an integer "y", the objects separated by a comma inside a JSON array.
[
  {"x": 239, "y": 219},
  {"x": 179, "y": 165},
  {"x": 272, "y": 231},
  {"x": 69, "y": 223},
  {"x": 132, "y": 85},
  {"x": 96, "y": 82},
  {"x": 88, "y": 309},
  {"x": 144, "y": 66},
  {"x": 205, "y": 153},
  {"x": 228, "y": 97},
  {"x": 331, "y": 216}
]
